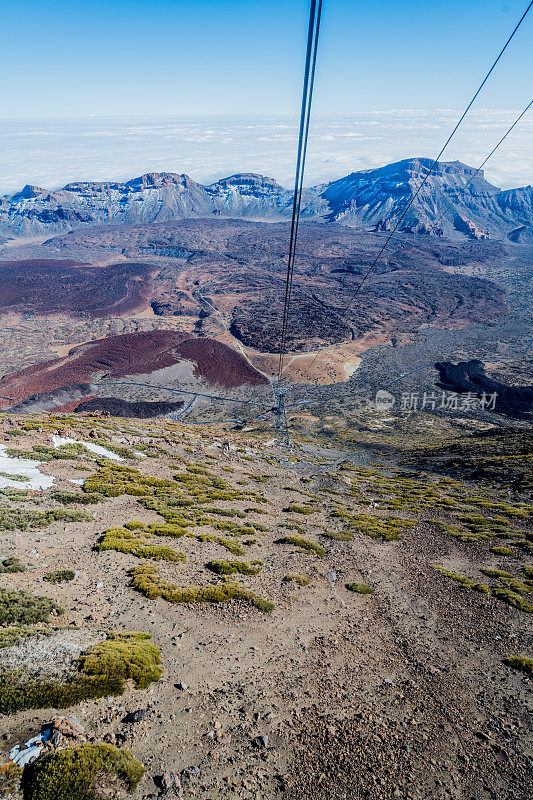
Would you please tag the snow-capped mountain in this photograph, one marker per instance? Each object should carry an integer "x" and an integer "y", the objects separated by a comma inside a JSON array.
[{"x": 454, "y": 202}]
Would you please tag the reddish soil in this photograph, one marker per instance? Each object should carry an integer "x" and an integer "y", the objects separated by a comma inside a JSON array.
[
  {"x": 133, "y": 354},
  {"x": 49, "y": 286}
]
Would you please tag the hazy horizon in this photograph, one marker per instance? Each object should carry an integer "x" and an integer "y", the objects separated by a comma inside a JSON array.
[{"x": 53, "y": 152}]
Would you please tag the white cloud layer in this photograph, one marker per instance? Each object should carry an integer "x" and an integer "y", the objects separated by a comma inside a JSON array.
[{"x": 53, "y": 152}]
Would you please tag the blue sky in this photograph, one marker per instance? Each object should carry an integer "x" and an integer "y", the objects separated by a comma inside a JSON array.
[{"x": 134, "y": 57}]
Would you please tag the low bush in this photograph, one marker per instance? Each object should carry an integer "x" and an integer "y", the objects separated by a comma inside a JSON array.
[
  {"x": 359, "y": 588},
  {"x": 232, "y": 567},
  {"x": 18, "y": 607},
  {"x": 103, "y": 670},
  {"x": 521, "y": 663},
  {"x": 123, "y": 540},
  {"x": 464, "y": 581},
  {"x": 294, "y": 508},
  {"x": 148, "y": 581},
  {"x": 338, "y": 536},
  {"x": 502, "y": 551},
  {"x": 301, "y": 580},
  {"x": 388, "y": 529},
  {"x": 73, "y": 773},
  {"x": 59, "y": 575},
  {"x": 496, "y": 573},
  {"x": 11, "y": 564},
  {"x": 83, "y": 498},
  {"x": 303, "y": 544},
  {"x": 513, "y": 599},
  {"x": 12, "y": 519}
]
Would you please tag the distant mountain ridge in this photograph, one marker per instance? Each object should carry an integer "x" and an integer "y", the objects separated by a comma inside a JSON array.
[{"x": 374, "y": 199}]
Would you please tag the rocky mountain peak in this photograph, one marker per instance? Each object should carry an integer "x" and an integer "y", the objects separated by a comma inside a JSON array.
[{"x": 462, "y": 201}]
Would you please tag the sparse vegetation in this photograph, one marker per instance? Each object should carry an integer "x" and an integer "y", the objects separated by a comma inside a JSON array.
[
  {"x": 11, "y": 564},
  {"x": 24, "y": 608},
  {"x": 301, "y": 580},
  {"x": 359, "y": 588},
  {"x": 294, "y": 508},
  {"x": 59, "y": 576},
  {"x": 522, "y": 663},
  {"x": 232, "y": 567},
  {"x": 148, "y": 581},
  {"x": 303, "y": 544},
  {"x": 12, "y": 519},
  {"x": 388, "y": 529},
  {"x": 513, "y": 599},
  {"x": 83, "y": 498},
  {"x": 123, "y": 540},
  {"x": 464, "y": 581},
  {"x": 339, "y": 536},
  {"x": 10, "y": 775}
]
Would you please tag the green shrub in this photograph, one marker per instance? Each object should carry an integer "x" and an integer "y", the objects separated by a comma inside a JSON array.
[
  {"x": 148, "y": 581},
  {"x": 388, "y": 529},
  {"x": 454, "y": 576},
  {"x": 72, "y": 774},
  {"x": 527, "y": 570},
  {"x": 294, "y": 508},
  {"x": 301, "y": 580},
  {"x": 521, "y": 663},
  {"x": 10, "y": 636},
  {"x": 20, "y": 519},
  {"x": 123, "y": 540},
  {"x": 14, "y": 477},
  {"x": 135, "y": 525},
  {"x": 496, "y": 573},
  {"x": 513, "y": 599},
  {"x": 167, "y": 529},
  {"x": 59, "y": 575},
  {"x": 103, "y": 670},
  {"x": 516, "y": 585},
  {"x": 339, "y": 536},
  {"x": 360, "y": 588},
  {"x": 502, "y": 551},
  {"x": 128, "y": 656},
  {"x": 303, "y": 544},
  {"x": 11, "y": 564},
  {"x": 27, "y": 609},
  {"x": 83, "y": 498},
  {"x": 232, "y": 567}
]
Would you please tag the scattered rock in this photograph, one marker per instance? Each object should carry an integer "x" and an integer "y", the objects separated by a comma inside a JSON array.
[
  {"x": 190, "y": 772},
  {"x": 69, "y": 727},
  {"x": 171, "y": 784},
  {"x": 260, "y": 742},
  {"x": 136, "y": 716}
]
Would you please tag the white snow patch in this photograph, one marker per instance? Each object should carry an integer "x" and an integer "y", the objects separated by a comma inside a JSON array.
[
  {"x": 22, "y": 466},
  {"x": 57, "y": 441}
]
